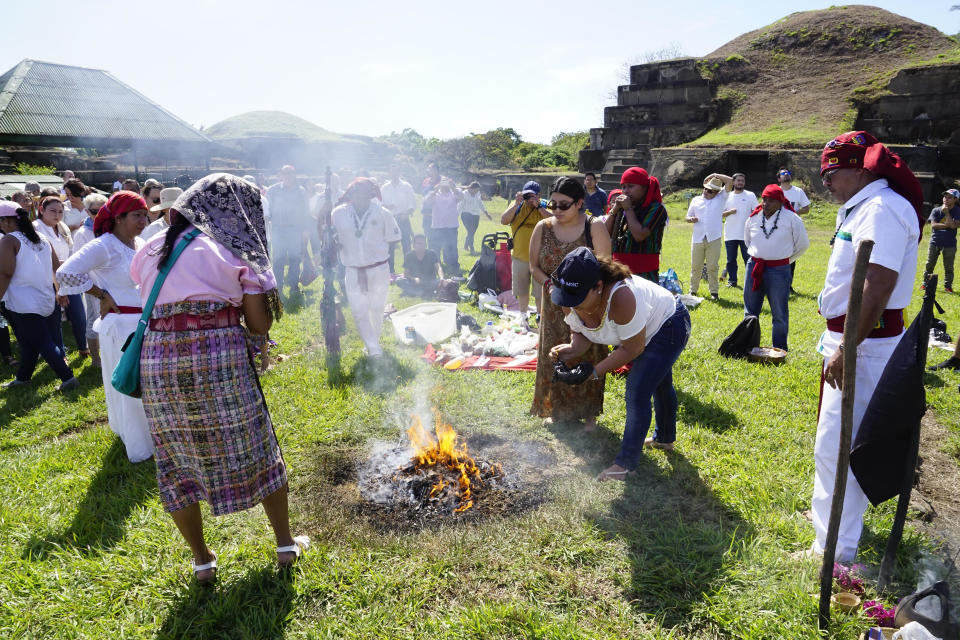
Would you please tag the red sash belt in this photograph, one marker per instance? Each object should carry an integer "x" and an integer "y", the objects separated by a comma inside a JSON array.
[
  {"x": 130, "y": 310},
  {"x": 639, "y": 262},
  {"x": 227, "y": 317},
  {"x": 889, "y": 325},
  {"x": 759, "y": 264}
]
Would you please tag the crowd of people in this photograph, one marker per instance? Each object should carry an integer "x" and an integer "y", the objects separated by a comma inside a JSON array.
[{"x": 590, "y": 260}]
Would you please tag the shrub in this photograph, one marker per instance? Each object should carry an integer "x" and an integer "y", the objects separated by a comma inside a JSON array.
[{"x": 27, "y": 169}]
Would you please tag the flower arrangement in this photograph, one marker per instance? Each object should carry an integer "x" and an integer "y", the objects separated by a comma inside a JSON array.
[
  {"x": 881, "y": 615},
  {"x": 846, "y": 579}
]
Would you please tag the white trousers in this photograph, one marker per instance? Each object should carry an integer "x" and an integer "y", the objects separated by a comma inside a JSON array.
[
  {"x": 124, "y": 413},
  {"x": 367, "y": 306},
  {"x": 855, "y": 502}
]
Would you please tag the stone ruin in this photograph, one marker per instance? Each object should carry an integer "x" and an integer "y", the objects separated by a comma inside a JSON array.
[{"x": 670, "y": 103}]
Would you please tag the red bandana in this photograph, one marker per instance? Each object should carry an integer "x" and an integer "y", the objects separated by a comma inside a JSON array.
[
  {"x": 857, "y": 149},
  {"x": 636, "y": 175},
  {"x": 119, "y": 203},
  {"x": 611, "y": 197},
  {"x": 365, "y": 186},
  {"x": 773, "y": 192}
]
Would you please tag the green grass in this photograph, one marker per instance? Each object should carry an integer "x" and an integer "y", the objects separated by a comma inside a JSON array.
[
  {"x": 696, "y": 547},
  {"x": 780, "y": 135}
]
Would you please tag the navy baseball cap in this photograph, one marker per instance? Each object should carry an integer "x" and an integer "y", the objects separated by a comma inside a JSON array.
[
  {"x": 531, "y": 187},
  {"x": 574, "y": 278}
]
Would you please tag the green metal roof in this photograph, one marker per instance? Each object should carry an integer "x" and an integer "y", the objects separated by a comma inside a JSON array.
[{"x": 60, "y": 105}]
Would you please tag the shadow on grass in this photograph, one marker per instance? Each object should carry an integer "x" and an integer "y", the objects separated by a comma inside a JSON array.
[
  {"x": 258, "y": 605},
  {"x": 694, "y": 410},
  {"x": 21, "y": 401},
  {"x": 679, "y": 534},
  {"x": 113, "y": 493}
]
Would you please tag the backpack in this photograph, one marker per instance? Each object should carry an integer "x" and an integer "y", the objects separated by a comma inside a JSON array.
[
  {"x": 483, "y": 275},
  {"x": 745, "y": 337}
]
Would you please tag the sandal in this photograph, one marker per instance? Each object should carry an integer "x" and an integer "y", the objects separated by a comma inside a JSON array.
[
  {"x": 609, "y": 474},
  {"x": 197, "y": 568},
  {"x": 300, "y": 544},
  {"x": 665, "y": 446}
]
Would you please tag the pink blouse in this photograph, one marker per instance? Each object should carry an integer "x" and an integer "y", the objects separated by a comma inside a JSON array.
[{"x": 206, "y": 270}]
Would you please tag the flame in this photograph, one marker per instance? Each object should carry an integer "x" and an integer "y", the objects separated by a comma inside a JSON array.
[{"x": 442, "y": 449}]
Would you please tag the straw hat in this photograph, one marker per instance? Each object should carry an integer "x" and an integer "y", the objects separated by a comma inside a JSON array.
[
  {"x": 713, "y": 184},
  {"x": 167, "y": 197}
]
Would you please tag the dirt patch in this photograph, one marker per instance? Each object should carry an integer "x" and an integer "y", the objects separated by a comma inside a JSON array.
[
  {"x": 935, "y": 503},
  {"x": 342, "y": 481}
]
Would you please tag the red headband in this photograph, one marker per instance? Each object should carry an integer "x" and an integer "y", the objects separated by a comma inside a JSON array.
[
  {"x": 119, "y": 203},
  {"x": 859, "y": 149},
  {"x": 612, "y": 196},
  {"x": 773, "y": 192},
  {"x": 636, "y": 175}
]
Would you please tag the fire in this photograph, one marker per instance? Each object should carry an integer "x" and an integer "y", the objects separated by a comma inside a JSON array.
[{"x": 441, "y": 452}]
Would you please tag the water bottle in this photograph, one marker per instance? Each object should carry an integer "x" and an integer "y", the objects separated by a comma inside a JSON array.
[
  {"x": 410, "y": 333},
  {"x": 488, "y": 329}
]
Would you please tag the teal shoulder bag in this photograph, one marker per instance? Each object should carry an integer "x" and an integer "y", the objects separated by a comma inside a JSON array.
[{"x": 126, "y": 375}]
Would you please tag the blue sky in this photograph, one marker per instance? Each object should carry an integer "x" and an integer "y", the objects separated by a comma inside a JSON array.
[{"x": 355, "y": 66}]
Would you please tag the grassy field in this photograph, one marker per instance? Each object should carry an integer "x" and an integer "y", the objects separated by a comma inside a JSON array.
[{"x": 698, "y": 546}]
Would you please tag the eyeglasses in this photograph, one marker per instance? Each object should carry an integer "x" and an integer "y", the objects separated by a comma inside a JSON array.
[
  {"x": 562, "y": 206},
  {"x": 827, "y": 177}
]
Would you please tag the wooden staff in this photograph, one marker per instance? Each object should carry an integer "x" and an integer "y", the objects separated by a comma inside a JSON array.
[
  {"x": 328, "y": 301},
  {"x": 849, "y": 344}
]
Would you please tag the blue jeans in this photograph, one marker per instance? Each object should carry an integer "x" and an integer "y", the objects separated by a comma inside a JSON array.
[
  {"x": 39, "y": 336},
  {"x": 776, "y": 288},
  {"x": 732, "y": 246},
  {"x": 445, "y": 242},
  {"x": 77, "y": 318},
  {"x": 651, "y": 377}
]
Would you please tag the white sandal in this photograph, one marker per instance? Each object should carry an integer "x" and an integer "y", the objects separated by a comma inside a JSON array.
[
  {"x": 197, "y": 568},
  {"x": 300, "y": 544}
]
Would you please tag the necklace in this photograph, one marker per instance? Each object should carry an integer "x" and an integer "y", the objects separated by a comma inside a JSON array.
[
  {"x": 763, "y": 225},
  {"x": 360, "y": 222}
]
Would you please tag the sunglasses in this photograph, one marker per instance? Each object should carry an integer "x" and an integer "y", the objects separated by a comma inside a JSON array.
[
  {"x": 827, "y": 177},
  {"x": 562, "y": 206}
]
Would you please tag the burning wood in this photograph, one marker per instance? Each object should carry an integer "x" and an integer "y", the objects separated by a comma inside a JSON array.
[{"x": 442, "y": 473}]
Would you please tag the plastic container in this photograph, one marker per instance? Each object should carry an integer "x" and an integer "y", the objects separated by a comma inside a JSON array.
[
  {"x": 432, "y": 322},
  {"x": 488, "y": 329}
]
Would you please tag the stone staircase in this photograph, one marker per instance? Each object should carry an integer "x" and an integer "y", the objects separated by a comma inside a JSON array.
[{"x": 618, "y": 161}]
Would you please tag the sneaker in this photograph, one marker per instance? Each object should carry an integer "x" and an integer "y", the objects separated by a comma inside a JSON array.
[
  {"x": 948, "y": 289},
  {"x": 69, "y": 385},
  {"x": 15, "y": 383},
  {"x": 923, "y": 286},
  {"x": 723, "y": 274},
  {"x": 714, "y": 297},
  {"x": 949, "y": 363},
  {"x": 733, "y": 285}
]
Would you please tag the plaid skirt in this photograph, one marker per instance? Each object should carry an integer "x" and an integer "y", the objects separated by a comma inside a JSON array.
[{"x": 211, "y": 430}]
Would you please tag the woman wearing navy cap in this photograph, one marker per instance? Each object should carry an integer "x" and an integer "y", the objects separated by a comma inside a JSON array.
[{"x": 605, "y": 304}]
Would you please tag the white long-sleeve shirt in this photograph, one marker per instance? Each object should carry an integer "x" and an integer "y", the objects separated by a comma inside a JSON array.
[
  {"x": 788, "y": 237},
  {"x": 398, "y": 197}
]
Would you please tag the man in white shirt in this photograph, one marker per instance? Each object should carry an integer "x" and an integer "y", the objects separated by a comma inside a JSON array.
[
  {"x": 775, "y": 237},
  {"x": 400, "y": 200},
  {"x": 882, "y": 201},
  {"x": 740, "y": 204},
  {"x": 706, "y": 213},
  {"x": 364, "y": 232},
  {"x": 798, "y": 200}
]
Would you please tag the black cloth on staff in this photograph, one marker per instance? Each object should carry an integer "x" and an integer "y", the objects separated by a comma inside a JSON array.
[{"x": 882, "y": 446}]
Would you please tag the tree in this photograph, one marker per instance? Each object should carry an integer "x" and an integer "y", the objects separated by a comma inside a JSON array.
[
  {"x": 458, "y": 153},
  {"x": 411, "y": 143},
  {"x": 495, "y": 146}
]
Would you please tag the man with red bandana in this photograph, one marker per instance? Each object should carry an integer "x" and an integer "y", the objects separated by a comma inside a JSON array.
[
  {"x": 880, "y": 200},
  {"x": 635, "y": 223},
  {"x": 775, "y": 237}
]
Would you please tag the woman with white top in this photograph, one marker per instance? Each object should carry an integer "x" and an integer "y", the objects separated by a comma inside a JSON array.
[
  {"x": 49, "y": 224},
  {"x": 27, "y": 263},
  {"x": 91, "y": 305},
  {"x": 470, "y": 209},
  {"x": 775, "y": 238},
  {"x": 74, "y": 212},
  {"x": 102, "y": 269},
  {"x": 606, "y": 304}
]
